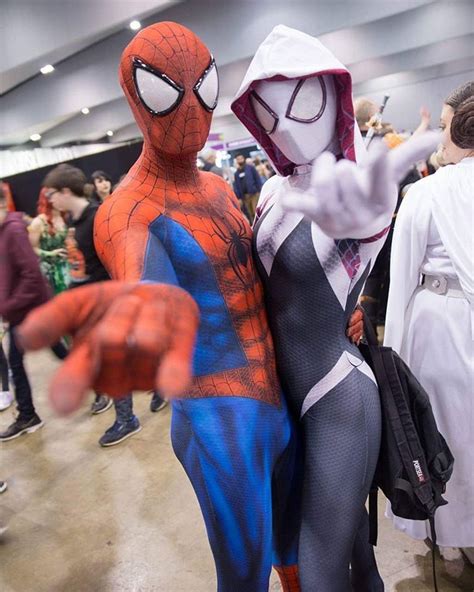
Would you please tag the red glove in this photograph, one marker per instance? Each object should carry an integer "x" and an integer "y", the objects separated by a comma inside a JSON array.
[
  {"x": 355, "y": 328},
  {"x": 126, "y": 337}
]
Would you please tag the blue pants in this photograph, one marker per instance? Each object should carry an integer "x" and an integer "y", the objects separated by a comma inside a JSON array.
[
  {"x": 124, "y": 408},
  {"x": 239, "y": 454}
]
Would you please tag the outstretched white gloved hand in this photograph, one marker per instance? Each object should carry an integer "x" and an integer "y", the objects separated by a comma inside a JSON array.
[{"x": 347, "y": 200}]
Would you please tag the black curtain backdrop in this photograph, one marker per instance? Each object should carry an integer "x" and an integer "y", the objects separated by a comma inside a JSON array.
[{"x": 25, "y": 187}]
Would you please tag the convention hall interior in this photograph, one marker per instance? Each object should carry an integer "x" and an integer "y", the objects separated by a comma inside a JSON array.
[{"x": 146, "y": 142}]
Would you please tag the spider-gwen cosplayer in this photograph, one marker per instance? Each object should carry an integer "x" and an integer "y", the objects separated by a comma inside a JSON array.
[{"x": 296, "y": 101}]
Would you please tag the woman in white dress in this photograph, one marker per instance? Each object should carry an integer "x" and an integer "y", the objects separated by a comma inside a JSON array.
[{"x": 430, "y": 315}]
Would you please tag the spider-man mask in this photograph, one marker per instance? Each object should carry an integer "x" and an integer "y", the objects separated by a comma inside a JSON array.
[{"x": 170, "y": 80}]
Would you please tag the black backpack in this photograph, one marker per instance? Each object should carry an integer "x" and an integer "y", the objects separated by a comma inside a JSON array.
[{"x": 415, "y": 462}]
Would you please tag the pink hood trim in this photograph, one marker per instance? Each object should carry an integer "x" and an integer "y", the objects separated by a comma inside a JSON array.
[{"x": 268, "y": 59}]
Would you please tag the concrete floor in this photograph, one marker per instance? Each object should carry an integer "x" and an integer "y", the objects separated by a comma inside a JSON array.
[{"x": 125, "y": 519}]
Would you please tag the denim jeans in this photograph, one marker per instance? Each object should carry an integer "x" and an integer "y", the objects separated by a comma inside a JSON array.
[
  {"x": 24, "y": 400},
  {"x": 124, "y": 409}
]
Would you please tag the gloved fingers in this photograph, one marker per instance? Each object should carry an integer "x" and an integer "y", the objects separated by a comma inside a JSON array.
[
  {"x": 113, "y": 332},
  {"x": 46, "y": 324},
  {"x": 72, "y": 380},
  {"x": 298, "y": 201},
  {"x": 67, "y": 313},
  {"x": 175, "y": 371},
  {"x": 152, "y": 330},
  {"x": 314, "y": 202},
  {"x": 378, "y": 181},
  {"x": 115, "y": 346},
  {"x": 324, "y": 192},
  {"x": 407, "y": 154},
  {"x": 323, "y": 176},
  {"x": 356, "y": 316},
  {"x": 351, "y": 196},
  {"x": 355, "y": 329}
]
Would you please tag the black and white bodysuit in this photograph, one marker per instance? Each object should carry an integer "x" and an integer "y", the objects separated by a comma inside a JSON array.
[
  {"x": 296, "y": 100},
  {"x": 312, "y": 284}
]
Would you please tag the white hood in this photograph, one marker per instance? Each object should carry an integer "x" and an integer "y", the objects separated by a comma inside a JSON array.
[{"x": 290, "y": 54}]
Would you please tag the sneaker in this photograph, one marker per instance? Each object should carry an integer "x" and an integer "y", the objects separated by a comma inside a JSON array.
[
  {"x": 3, "y": 486},
  {"x": 3, "y": 529},
  {"x": 20, "y": 426},
  {"x": 101, "y": 404},
  {"x": 157, "y": 403},
  {"x": 6, "y": 399},
  {"x": 120, "y": 432}
]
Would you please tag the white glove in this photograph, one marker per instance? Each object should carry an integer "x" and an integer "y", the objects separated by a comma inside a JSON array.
[{"x": 347, "y": 200}]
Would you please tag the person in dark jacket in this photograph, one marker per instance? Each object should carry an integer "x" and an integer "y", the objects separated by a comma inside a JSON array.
[
  {"x": 247, "y": 185},
  {"x": 65, "y": 188},
  {"x": 22, "y": 288}
]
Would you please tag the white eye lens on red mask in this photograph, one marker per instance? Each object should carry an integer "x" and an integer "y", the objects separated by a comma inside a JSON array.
[
  {"x": 158, "y": 92},
  {"x": 308, "y": 100},
  {"x": 207, "y": 87},
  {"x": 267, "y": 118}
]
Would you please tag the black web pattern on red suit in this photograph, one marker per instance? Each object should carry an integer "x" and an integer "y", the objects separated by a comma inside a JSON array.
[
  {"x": 165, "y": 181},
  {"x": 176, "y": 53}
]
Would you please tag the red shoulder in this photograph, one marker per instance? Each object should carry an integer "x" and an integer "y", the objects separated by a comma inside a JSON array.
[
  {"x": 121, "y": 231},
  {"x": 216, "y": 184},
  {"x": 123, "y": 210}
]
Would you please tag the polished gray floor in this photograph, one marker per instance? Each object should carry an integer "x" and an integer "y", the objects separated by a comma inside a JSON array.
[{"x": 125, "y": 519}]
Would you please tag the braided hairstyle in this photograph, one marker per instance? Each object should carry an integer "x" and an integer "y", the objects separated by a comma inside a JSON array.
[{"x": 461, "y": 100}]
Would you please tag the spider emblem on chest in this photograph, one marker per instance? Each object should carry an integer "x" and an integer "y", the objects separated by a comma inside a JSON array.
[{"x": 235, "y": 236}]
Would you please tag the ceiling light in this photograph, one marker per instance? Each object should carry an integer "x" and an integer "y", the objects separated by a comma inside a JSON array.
[
  {"x": 85, "y": 110},
  {"x": 135, "y": 25},
  {"x": 47, "y": 69},
  {"x": 110, "y": 133},
  {"x": 35, "y": 137}
]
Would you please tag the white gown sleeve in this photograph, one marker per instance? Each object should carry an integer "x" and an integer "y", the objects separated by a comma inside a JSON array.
[{"x": 408, "y": 251}]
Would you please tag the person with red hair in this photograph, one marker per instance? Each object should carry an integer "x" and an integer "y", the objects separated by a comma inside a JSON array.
[{"x": 48, "y": 233}]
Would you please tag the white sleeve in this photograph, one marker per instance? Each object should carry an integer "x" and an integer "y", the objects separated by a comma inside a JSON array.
[{"x": 408, "y": 251}]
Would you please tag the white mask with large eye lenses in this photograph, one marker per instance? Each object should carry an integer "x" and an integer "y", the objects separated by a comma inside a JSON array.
[
  {"x": 267, "y": 118},
  {"x": 308, "y": 100},
  {"x": 207, "y": 87},
  {"x": 159, "y": 94}
]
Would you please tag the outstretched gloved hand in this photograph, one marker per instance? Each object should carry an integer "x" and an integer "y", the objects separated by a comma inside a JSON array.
[
  {"x": 347, "y": 200},
  {"x": 126, "y": 337}
]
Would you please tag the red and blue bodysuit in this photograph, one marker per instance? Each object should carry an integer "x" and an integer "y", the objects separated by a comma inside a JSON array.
[{"x": 168, "y": 223}]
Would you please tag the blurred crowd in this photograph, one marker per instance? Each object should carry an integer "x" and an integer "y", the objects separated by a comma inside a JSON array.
[
  {"x": 246, "y": 175},
  {"x": 45, "y": 256}
]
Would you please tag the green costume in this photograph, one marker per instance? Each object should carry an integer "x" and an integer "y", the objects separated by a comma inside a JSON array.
[{"x": 54, "y": 267}]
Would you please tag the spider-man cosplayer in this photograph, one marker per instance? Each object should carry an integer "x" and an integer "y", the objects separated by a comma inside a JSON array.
[{"x": 173, "y": 228}]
